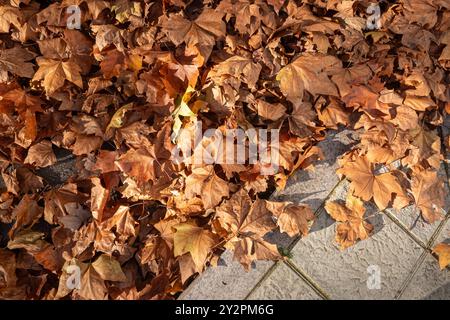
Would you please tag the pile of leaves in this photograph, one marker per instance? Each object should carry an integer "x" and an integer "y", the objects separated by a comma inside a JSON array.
[{"x": 118, "y": 92}]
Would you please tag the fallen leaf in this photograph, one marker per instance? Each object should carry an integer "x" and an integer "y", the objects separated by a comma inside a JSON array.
[
  {"x": 195, "y": 240},
  {"x": 443, "y": 252},
  {"x": 352, "y": 226}
]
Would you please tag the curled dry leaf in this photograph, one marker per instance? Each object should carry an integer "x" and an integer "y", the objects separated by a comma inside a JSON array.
[
  {"x": 292, "y": 219},
  {"x": 443, "y": 252},
  {"x": 352, "y": 226}
]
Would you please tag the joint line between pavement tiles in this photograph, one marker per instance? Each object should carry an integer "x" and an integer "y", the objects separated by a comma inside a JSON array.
[
  {"x": 307, "y": 279},
  {"x": 290, "y": 247},
  {"x": 438, "y": 231},
  {"x": 411, "y": 274},
  {"x": 317, "y": 213},
  {"x": 394, "y": 219},
  {"x": 444, "y": 149},
  {"x": 263, "y": 278},
  {"x": 421, "y": 259}
]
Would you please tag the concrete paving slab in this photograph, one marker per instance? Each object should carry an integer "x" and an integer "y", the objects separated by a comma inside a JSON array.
[
  {"x": 345, "y": 274},
  {"x": 229, "y": 280},
  {"x": 284, "y": 284},
  {"x": 428, "y": 283},
  {"x": 444, "y": 235}
]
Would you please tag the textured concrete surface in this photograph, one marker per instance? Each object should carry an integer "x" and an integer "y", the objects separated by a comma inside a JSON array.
[
  {"x": 411, "y": 219},
  {"x": 228, "y": 280},
  {"x": 344, "y": 274},
  {"x": 428, "y": 283},
  {"x": 283, "y": 284},
  {"x": 444, "y": 235}
]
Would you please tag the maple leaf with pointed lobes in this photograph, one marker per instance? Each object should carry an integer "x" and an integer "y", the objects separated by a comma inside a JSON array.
[
  {"x": 254, "y": 219},
  {"x": 54, "y": 72},
  {"x": 203, "y": 31},
  {"x": 23, "y": 101},
  {"x": 364, "y": 98},
  {"x": 249, "y": 249},
  {"x": 309, "y": 73},
  {"x": 123, "y": 221},
  {"x": 10, "y": 16},
  {"x": 27, "y": 212},
  {"x": 141, "y": 164},
  {"x": 14, "y": 60},
  {"x": 195, "y": 240},
  {"x": 301, "y": 120},
  {"x": 333, "y": 115},
  {"x": 443, "y": 252},
  {"x": 353, "y": 227},
  {"x": 92, "y": 286},
  {"x": 241, "y": 68},
  {"x": 269, "y": 111},
  {"x": 205, "y": 183},
  {"x": 367, "y": 185},
  {"x": 246, "y": 223},
  {"x": 292, "y": 219},
  {"x": 426, "y": 141},
  {"x": 108, "y": 268}
]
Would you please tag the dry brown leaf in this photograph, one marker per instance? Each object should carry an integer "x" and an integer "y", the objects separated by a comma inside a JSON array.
[
  {"x": 428, "y": 194},
  {"x": 41, "y": 154},
  {"x": 367, "y": 185},
  {"x": 443, "y": 252},
  {"x": 352, "y": 226},
  {"x": 205, "y": 183},
  {"x": 195, "y": 240},
  {"x": 309, "y": 72}
]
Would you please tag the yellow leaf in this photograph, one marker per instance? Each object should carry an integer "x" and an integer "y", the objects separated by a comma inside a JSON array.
[
  {"x": 182, "y": 110},
  {"x": 117, "y": 119}
]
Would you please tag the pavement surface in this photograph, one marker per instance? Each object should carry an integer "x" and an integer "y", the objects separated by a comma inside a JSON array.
[{"x": 394, "y": 263}]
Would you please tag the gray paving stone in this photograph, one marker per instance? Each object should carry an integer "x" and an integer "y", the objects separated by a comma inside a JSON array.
[
  {"x": 428, "y": 283},
  {"x": 229, "y": 281},
  {"x": 411, "y": 218},
  {"x": 284, "y": 284},
  {"x": 444, "y": 235},
  {"x": 344, "y": 274}
]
